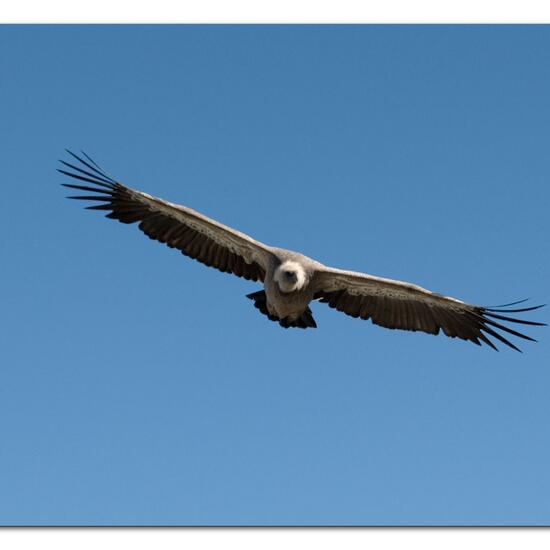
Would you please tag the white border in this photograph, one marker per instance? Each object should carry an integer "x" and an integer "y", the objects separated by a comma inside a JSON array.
[
  {"x": 281, "y": 11},
  {"x": 274, "y": 539}
]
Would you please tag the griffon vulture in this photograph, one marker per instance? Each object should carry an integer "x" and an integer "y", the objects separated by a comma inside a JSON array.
[{"x": 291, "y": 280}]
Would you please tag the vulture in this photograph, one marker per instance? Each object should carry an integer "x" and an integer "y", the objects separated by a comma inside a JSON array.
[{"x": 291, "y": 281}]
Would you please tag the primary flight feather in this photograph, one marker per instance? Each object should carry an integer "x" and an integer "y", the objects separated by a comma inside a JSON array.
[{"x": 291, "y": 280}]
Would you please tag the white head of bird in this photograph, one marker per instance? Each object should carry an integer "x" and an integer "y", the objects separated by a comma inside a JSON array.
[{"x": 290, "y": 276}]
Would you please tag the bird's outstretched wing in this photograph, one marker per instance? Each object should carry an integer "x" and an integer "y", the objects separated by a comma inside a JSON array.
[
  {"x": 197, "y": 236},
  {"x": 398, "y": 305}
]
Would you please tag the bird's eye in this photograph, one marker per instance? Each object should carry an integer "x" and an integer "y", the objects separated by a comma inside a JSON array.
[{"x": 289, "y": 274}]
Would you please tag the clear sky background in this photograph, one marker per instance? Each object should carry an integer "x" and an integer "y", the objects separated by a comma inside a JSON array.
[{"x": 140, "y": 387}]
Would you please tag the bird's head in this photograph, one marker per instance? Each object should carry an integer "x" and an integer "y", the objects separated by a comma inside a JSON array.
[{"x": 290, "y": 276}]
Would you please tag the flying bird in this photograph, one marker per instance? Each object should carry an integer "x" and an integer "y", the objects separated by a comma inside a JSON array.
[{"x": 291, "y": 280}]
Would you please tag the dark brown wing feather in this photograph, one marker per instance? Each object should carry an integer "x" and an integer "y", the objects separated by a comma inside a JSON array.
[
  {"x": 195, "y": 235},
  {"x": 397, "y": 305}
]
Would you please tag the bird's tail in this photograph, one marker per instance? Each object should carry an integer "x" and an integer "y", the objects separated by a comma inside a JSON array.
[{"x": 304, "y": 321}]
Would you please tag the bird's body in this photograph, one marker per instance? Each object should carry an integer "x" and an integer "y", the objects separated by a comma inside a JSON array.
[
  {"x": 289, "y": 295},
  {"x": 291, "y": 280}
]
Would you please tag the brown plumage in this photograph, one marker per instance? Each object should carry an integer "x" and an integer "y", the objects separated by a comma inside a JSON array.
[{"x": 292, "y": 280}]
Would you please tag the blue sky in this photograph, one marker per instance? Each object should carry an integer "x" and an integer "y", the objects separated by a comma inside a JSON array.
[{"x": 140, "y": 387}]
